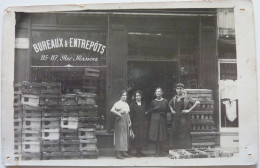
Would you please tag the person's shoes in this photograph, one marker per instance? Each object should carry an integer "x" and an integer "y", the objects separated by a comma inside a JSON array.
[
  {"x": 119, "y": 156},
  {"x": 124, "y": 154}
]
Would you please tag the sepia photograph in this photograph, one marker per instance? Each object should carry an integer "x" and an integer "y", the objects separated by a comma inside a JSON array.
[{"x": 133, "y": 85}]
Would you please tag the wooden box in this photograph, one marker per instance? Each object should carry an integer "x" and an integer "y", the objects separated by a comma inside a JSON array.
[
  {"x": 69, "y": 146},
  {"x": 31, "y": 155},
  {"x": 68, "y": 134},
  {"x": 69, "y": 122},
  {"x": 69, "y": 100},
  {"x": 69, "y": 111},
  {"x": 50, "y": 145},
  {"x": 86, "y": 133},
  {"x": 50, "y": 122},
  {"x": 51, "y": 112},
  {"x": 31, "y": 100},
  {"x": 27, "y": 88},
  {"x": 51, "y": 134},
  {"x": 31, "y": 146},
  {"x": 51, "y": 155},
  {"x": 71, "y": 155},
  {"x": 32, "y": 123},
  {"x": 49, "y": 99},
  {"x": 31, "y": 135},
  {"x": 50, "y": 88}
]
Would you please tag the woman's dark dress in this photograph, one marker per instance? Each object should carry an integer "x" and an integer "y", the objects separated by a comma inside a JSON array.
[
  {"x": 137, "y": 114},
  {"x": 158, "y": 122},
  {"x": 180, "y": 137}
]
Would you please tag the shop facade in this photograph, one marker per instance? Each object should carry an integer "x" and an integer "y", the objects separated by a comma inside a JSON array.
[{"x": 132, "y": 50}]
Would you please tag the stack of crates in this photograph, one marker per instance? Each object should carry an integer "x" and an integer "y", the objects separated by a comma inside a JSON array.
[
  {"x": 27, "y": 120},
  {"x": 90, "y": 80},
  {"x": 203, "y": 131},
  {"x": 69, "y": 141},
  {"x": 31, "y": 133},
  {"x": 51, "y": 116},
  {"x": 18, "y": 126},
  {"x": 87, "y": 125}
]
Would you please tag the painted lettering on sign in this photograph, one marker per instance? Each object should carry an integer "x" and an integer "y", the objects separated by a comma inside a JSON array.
[
  {"x": 69, "y": 43},
  {"x": 68, "y": 58}
]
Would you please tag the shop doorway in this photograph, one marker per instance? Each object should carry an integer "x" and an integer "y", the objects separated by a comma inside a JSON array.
[{"x": 148, "y": 75}]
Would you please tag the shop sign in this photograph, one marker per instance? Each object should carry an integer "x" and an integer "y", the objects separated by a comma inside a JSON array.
[{"x": 68, "y": 48}]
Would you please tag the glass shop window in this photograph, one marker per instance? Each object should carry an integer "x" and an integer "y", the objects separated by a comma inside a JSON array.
[{"x": 75, "y": 59}]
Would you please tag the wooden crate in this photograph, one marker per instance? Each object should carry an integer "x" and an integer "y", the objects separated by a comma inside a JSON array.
[
  {"x": 205, "y": 106},
  {"x": 18, "y": 111},
  {"x": 32, "y": 123},
  {"x": 203, "y": 144},
  {"x": 201, "y": 137},
  {"x": 51, "y": 111},
  {"x": 83, "y": 100},
  {"x": 69, "y": 134},
  {"x": 31, "y": 100},
  {"x": 51, "y": 134},
  {"x": 50, "y": 122},
  {"x": 51, "y": 155},
  {"x": 69, "y": 122},
  {"x": 49, "y": 99},
  {"x": 87, "y": 125},
  {"x": 27, "y": 88},
  {"x": 50, "y": 88},
  {"x": 17, "y": 100},
  {"x": 31, "y": 135},
  {"x": 69, "y": 145},
  {"x": 86, "y": 133},
  {"x": 69, "y": 100},
  {"x": 88, "y": 111},
  {"x": 87, "y": 146},
  {"x": 18, "y": 135},
  {"x": 91, "y": 154},
  {"x": 69, "y": 111},
  {"x": 31, "y": 156},
  {"x": 18, "y": 123},
  {"x": 50, "y": 145},
  {"x": 31, "y": 146},
  {"x": 17, "y": 147},
  {"x": 70, "y": 155},
  {"x": 17, "y": 156},
  {"x": 32, "y": 111}
]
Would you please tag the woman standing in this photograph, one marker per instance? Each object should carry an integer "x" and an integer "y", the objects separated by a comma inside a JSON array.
[
  {"x": 158, "y": 126},
  {"x": 122, "y": 124},
  {"x": 137, "y": 114},
  {"x": 180, "y": 107}
]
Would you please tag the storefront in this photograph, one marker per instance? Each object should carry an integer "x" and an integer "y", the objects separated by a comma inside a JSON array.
[{"x": 107, "y": 51}]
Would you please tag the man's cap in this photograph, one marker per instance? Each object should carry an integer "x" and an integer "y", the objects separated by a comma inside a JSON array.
[{"x": 179, "y": 85}]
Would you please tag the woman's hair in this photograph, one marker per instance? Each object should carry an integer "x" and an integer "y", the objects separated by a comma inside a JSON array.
[
  {"x": 157, "y": 89},
  {"x": 134, "y": 95},
  {"x": 122, "y": 92}
]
